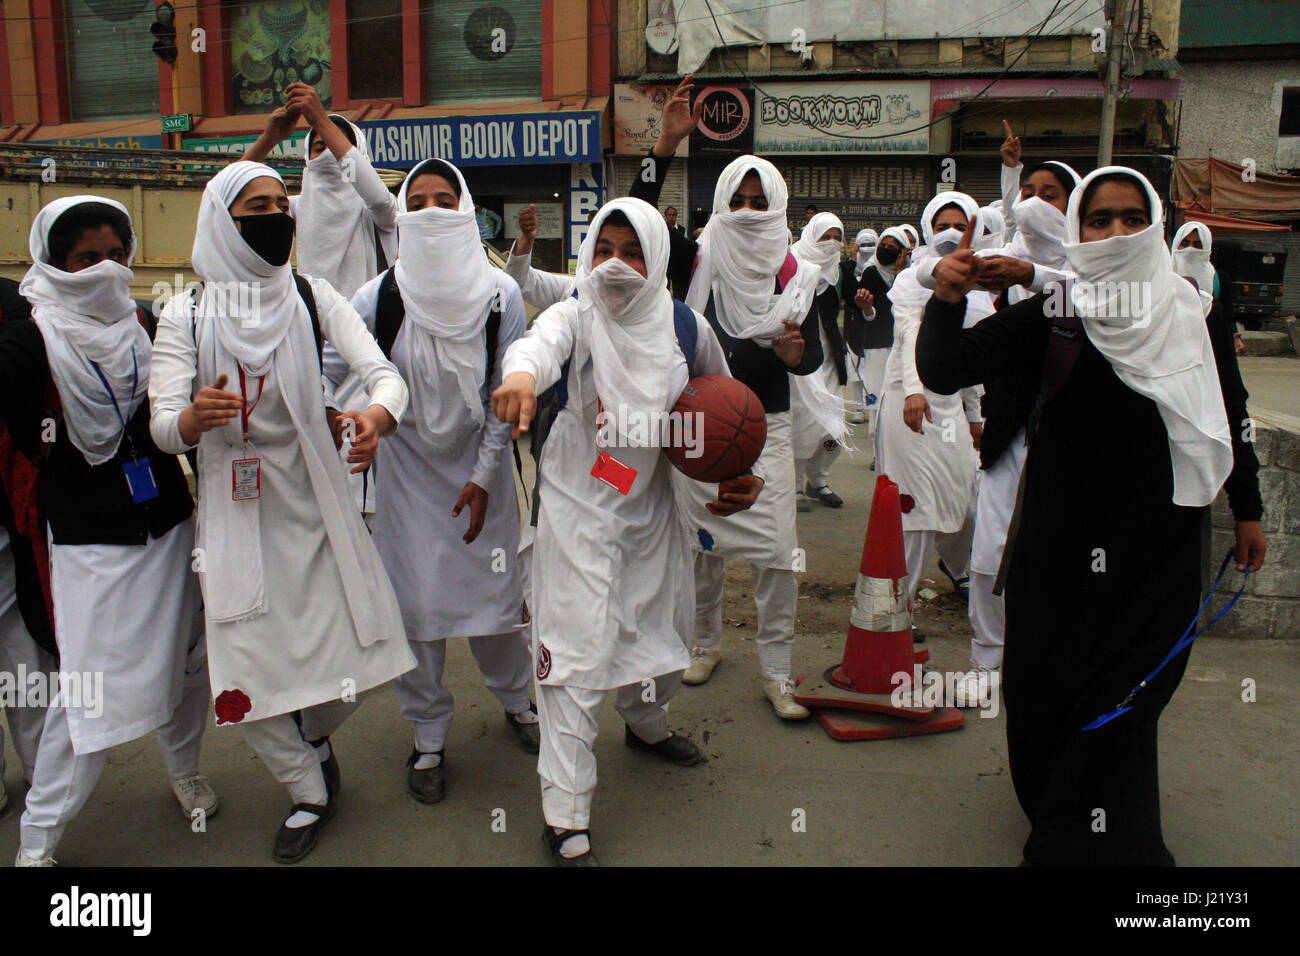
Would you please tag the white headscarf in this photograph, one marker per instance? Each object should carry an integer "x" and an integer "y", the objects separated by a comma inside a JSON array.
[
  {"x": 993, "y": 226},
  {"x": 336, "y": 237},
  {"x": 86, "y": 317},
  {"x": 448, "y": 287},
  {"x": 866, "y": 241},
  {"x": 907, "y": 290},
  {"x": 822, "y": 254},
  {"x": 627, "y": 319},
  {"x": 1191, "y": 262},
  {"x": 740, "y": 254},
  {"x": 910, "y": 229},
  {"x": 254, "y": 302},
  {"x": 1149, "y": 326}
]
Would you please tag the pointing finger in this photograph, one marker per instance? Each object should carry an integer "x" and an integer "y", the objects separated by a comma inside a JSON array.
[{"x": 969, "y": 235}]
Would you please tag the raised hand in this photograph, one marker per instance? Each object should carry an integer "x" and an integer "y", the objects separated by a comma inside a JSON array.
[
  {"x": 1010, "y": 147},
  {"x": 678, "y": 118}
]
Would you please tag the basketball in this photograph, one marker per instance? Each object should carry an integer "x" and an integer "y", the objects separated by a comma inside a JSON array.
[{"x": 718, "y": 428}]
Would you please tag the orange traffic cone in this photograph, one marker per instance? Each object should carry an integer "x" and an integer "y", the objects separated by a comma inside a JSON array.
[{"x": 880, "y": 670}]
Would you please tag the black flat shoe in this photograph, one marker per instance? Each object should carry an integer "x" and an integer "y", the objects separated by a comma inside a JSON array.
[
  {"x": 330, "y": 768},
  {"x": 960, "y": 585},
  {"x": 528, "y": 735},
  {"x": 673, "y": 748},
  {"x": 427, "y": 786},
  {"x": 827, "y": 497},
  {"x": 918, "y": 636},
  {"x": 293, "y": 844},
  {"x": 555, "y": 840}
]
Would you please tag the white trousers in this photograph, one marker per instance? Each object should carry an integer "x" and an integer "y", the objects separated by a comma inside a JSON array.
[
  {"x": 287, "y": 754},
  {"x": 505, "y": 661},
  {"x": 816, "y": 470},
  {"x": 63, "y": 780},
  {"x": 868, "y": 383},
  {"x": 775, "y": 595},
  {"x": 954, "y": 548},
  {"x": 988, "y": 619},
  {"x": 18, "y": 650},
  {"x": 570, "y": 720}
]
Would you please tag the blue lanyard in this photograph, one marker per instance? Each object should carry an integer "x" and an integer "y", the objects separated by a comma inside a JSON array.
[
  {"x": 135, "y": 381},
  {"x": 1183, "y": 643}
]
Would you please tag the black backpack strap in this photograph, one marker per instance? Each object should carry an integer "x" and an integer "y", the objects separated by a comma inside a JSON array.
[
  {"x": 309, "y": 298},
  {"x": 389, "y": 312}
]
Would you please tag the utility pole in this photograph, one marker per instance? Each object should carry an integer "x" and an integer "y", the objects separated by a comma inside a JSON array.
[{"x": 1115, "y": 43}]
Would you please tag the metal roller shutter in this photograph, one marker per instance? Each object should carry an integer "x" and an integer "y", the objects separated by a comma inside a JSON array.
[
  {"x": 112, "y": 71},
  {"x": 464, "y": 59}
]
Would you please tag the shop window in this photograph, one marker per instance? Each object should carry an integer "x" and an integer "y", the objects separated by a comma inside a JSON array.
[
  {"x": 483, "y": 51},
  {"x": 1289, "y": 124},
  {"x": 112, "y": 72},
  {"x": 374, "y": 49},
  {"x": 275, "y": 43}
]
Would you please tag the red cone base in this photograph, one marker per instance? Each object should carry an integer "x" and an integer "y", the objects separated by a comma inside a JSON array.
[{"x": 856, "y": 725}]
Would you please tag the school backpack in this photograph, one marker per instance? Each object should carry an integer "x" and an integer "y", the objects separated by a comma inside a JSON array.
[{"x": 390, "y": 312}]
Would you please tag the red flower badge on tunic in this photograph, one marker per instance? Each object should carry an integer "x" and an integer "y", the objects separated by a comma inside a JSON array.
[
  {"x": 231, "y": 706},
  {"x": 543, "y": 662},
  {"x": 906, "y": 503}
]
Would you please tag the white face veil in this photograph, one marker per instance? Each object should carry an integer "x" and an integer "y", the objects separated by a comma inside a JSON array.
[
  {"x": 1193, "y": 263},
  {"x": 88, "y": 317},
  {"x": 448, "y": 287},
  {"x": 1150, "y": 327},
  {"x": 906, "y": 290},
  {"x": 626, "y": 321},
  {"x": 740, "y": 254},
  {"x": 822, "y": 254},
  {"x": 866, "y": 241}
]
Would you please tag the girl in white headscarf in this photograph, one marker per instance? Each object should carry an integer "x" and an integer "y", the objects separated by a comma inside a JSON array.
[
  {"x": 864, "y": 248},
  {"x": 924, "y": 440},
  {"x": 758, "y": 296},
  {"x": 1130, "y": 447},
  {"x": 817, "y": 400},
  {"x": 126, "y": 605},
  {"x": 1191, "y": 250},
  {"x": 612, "y": 559},
  {"x": 300, "y": 614},
  {"x": 869, "y": 322},
  {"x": 449, "y": 453}
]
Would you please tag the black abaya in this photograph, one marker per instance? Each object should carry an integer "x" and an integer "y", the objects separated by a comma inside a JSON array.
[{"x": 1103, "y": 579}]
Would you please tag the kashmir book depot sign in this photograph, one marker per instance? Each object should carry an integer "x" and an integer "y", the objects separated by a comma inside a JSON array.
[{"x": 569, "y": 136}]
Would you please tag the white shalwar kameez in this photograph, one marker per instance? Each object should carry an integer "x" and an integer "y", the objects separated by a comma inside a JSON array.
[
  {"x": 299, "y": 610},
  {"x": 936, "y": 470},
  {"x": 131, "y": 661},
  {"x": 445, "y": 587},
  {"x": 19, "y": 651},
  {"x": 609, "y": 571}
]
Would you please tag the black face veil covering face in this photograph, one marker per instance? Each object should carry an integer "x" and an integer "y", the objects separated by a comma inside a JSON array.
[
  {"x": 270, "y": 235},
  {"x": 887, "y": 255}
]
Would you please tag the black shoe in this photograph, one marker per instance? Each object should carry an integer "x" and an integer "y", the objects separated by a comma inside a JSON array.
[
  {"x": 427, "y": 786},
  {"x": 959, "y": 585},
  {"x": 827, "y": 497},
  {"x": 293, "y": 844},
  {"x": 918, "y": 636},
  {"x": 673, "y": 748},
  {"x": 330, "y": 768},
  {"x": 528, "y": 735},
  {"x": 555, "y": 840}
]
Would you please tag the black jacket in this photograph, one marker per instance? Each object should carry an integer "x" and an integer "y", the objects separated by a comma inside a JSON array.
[
  {"x": 861, "y": 333},
  {"x": 83, "y": 504}
]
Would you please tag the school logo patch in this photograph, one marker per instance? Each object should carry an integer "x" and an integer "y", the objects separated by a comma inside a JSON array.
[
  {"x": 706, "y": 540},
  {"x": 830, "y": 444},
  {"x": 906, "y": 503},
  {"x": 543, "y": 662},
  {"x": 231, "y": 706}
]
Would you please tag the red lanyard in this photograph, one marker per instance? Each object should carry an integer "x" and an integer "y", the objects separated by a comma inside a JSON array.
[{"x": 246, "y": 411}]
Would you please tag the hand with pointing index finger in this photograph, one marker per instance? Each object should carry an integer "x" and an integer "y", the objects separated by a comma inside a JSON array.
[
  {"x": 1010, "y": 147},
  {"x": 956, "y": 274}
]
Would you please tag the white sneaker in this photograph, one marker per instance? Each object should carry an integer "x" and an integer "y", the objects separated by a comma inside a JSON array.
[
  {"x": 195, "y": 793},
  {"x": 857, "y": 418},
  {"x": 978, "y": 683},
  {"x": 703, "y": 661},
  {"x": 22, "y": 859},
  {"x": 781, "y": 694}
]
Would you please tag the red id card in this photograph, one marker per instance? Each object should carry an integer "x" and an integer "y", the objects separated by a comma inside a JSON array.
[{"x": 613, "y": 473}]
